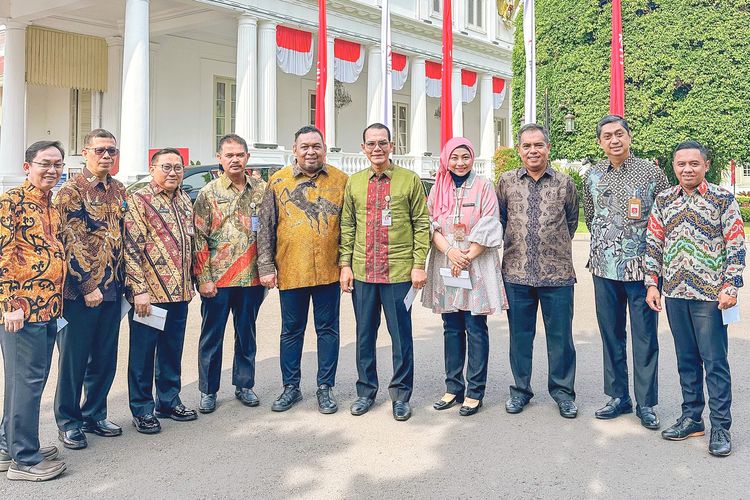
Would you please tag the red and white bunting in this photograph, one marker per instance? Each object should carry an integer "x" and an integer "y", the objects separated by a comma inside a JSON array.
[
  {"x": 400, "y": 70},
  {"x": 294, "y": 50},
  {"x": 499, "y": 89},
  {"x": 468, "y": 85},
  {"x": 433, "y": 75},
  {"x": 349, "y": 59}
]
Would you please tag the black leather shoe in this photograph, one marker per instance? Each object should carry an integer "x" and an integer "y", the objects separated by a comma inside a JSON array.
[
  {"x": 147, "y": 424},
  {"x": 648, "y": 417},
  {"x": 326, "y": 401},
  {"x": 208, "y": 403},
  {"x": 568, "y": 408},
  {"x": 683, "y": 429},
  {"x": 614, "y": 408},
  {"x": 401, "y": 411},
  {"x": 442, "y": 404},
  {"x": 515, "y": 404},
  {"x": 721, "y": 442},
  {"x": 103, "y": 428},
  {"x": 467, "y": 411},
  {"x": 179, "y": 413},
  {"x": 246, "y": 396},
  {"x": 288, "y": 398},
  {"x": 361, "y": 405},
  {"x": 73, "y": 439}
]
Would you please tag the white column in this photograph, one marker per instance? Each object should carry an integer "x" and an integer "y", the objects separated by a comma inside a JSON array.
[
  {"x": 418, "y": 111},
  {"x": 134, "y": 123},
  {"x": 509, "y": 100},
  {"x": 458, "y": 108},
  {"x": 374, "y": 90},
  {"x": 267, "y": 82},
  {"x": 486, "y": 117},
  {"x": 13, "y": 132},
  {"x": 246, "y": 125},
  {"x": 330, "y": 97},
  {"x": 112, "y": 99}
]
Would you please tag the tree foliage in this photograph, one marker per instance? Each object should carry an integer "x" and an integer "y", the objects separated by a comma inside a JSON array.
[{"x": 685, "y": 75}]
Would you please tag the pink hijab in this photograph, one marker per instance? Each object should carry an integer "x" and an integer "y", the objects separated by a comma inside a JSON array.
[{"x": 443, "y": 201}]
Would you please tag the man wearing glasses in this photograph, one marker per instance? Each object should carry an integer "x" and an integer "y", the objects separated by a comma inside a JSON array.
[
  {"x": 158, "y": 255},
  {"x": 226, "y": 269},
  {"x": 385, "y": 235},
  {"x": 32, "y": 266},
  {"x": 92, "y": 207}
]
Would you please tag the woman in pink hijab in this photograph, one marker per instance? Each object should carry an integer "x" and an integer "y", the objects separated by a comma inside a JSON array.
[{"x": 464, "y": 283}]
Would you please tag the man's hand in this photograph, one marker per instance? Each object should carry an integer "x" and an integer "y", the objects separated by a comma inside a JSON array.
[
  {"x": 94, "y": 298},
  {"x": 207, "y": 289},
  {"x": 726, "y": 301},
  {"x": 418, "y": 278},
  {"x": 346, "y": 279},
  {"x": 653, "y": 298},
  {"x": 142, "y": 303},
  {"x": 13, "y": 320},
  {"x": 268, "y": 281}
]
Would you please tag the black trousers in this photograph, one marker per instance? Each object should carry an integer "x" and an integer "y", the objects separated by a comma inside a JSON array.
[
  {"x": 700, "y": 341},
  {"x": 244, "y": 304},
  {"x": 156, "y": 354},
  {"x": 27, "y": 358},
  {"x": 612, "y": 298},
  {"x": 464, "y": 333},
  {"x": 369, "y": 299},
  {"x": 87, "y": 363}
]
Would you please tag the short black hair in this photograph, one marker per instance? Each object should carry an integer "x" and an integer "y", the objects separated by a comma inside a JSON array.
[
  {"x": 308, "y": 129},
  {"x": 38, "y": 146},
  {"x": 612, "y": 119},
  {"x": 690, "y": 144},
  {"x": 379, "y": 126},
  {"x": 532, "y": 127},
  {"x": 232, "y": 138},
  {"x": 97, "y": 132},
  {"x": 167, "y": 151}
]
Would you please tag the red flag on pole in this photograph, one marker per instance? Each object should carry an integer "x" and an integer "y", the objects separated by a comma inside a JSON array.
[
  {"x": 446, "y": 96},
  {"x": 617, "y": 63},
  {"x": 322, "y": 69}
]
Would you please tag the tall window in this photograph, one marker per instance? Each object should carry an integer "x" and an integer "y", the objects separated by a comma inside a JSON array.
[
  {"x": 436, "y": 7},
  {"x": 225, "y": 105},
  {"x": 400, "y": 128},
  {"x": 311, "y": 98},
  {"x": 746, "y": 170},
  {"x": 80, "y": 118},
  {"x": 501, "y": 136},
  {"x": 475, "y": 13}
]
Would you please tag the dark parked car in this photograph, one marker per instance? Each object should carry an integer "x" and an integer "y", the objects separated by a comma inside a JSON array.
[{"x": 427, "y": 183}]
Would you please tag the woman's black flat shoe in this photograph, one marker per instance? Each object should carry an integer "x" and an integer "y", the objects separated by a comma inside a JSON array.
[
  {"x": 466, "y": 411},
  {"x": 444, "y": 405}
]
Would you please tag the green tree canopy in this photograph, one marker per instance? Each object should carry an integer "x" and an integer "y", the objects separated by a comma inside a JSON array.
[{"x": 686, "y": 75}]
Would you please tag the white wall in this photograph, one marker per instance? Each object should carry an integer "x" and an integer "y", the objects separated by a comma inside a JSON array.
[{"x": 48, "y": 115}]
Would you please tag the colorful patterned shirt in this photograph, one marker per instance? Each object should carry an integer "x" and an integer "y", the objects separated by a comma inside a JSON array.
[
  {"x": 93, "y": 214},
  {"x": 300, "y": 227},
  {"x": 377, "y": 251},
  {"x": 540, "y": 219},
  {"x": 225, "y": 249},
  {"x": 696, "y": 242},
  {"x": 618, "y": 239},
  {"x": 158, "y": 245},
  {"x": 32, "y": 258}
]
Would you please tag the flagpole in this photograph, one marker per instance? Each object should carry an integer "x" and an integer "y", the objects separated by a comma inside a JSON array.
[
  {"x": 617, "y": 63},
  {"x": 321, "y": 76},
  {"x": 386, "y": 64},
  {"x": 529, "y": 36},
  {"x": 446, "y": 93}
]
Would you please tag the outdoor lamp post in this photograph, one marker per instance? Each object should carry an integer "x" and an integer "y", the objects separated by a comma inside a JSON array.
[{"x": 570, "y": 123}]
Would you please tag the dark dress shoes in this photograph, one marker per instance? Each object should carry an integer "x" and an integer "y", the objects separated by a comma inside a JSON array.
[
  {"x": 614, "y": 408},
  {"x": 103, "y": 428},
  {"x": 442, "y": 404},
  {"x": 401, "y": 411},
  {"x": 361, "y": 405},
  {"x": 288, "y": 398},
  {"x": 208, "y": 403},
  {"x": 515, "y": 404},
  {"x": 721, "y": 442},
  {"x": 684, "y": 428},
  {"x": 180, "y": 413},
  {"x": 466, "y": 411},
  {"x": 246, "y": 396},
  {"x": 326, "y": 401},
  {"x": 648, "y": 417},
  {"x": 73, "y": 439},
  {"x": 568, "y": 408},
  {"x": 147, "y": 424}
]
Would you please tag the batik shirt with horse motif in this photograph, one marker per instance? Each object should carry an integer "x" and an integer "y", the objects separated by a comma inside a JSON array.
[
  {"x": 225, "y": 234},
  {"x": 300, "y": 227}
]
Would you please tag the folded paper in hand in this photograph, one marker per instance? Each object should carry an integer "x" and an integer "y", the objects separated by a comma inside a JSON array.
[
  {"x": 462, "y": 281},
  {"x": 157, "y": 319}
]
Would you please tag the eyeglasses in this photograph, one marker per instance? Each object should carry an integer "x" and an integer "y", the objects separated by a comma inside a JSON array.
[
  {"x": 111, "y": 151},
  {"x": 47, "y": 165},
  {"x": 166, "y": 168},
  {"x": 371, "y": 145}
]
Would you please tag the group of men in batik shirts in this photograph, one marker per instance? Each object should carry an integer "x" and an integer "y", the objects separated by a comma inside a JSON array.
[{"x": 82, "y": 262}]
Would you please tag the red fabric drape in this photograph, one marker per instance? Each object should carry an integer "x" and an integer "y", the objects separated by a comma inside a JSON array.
[
  {"x": 446, "y": 95},
  {"x": 322, "y": 73},
  {"x": 617, "y": 64}
]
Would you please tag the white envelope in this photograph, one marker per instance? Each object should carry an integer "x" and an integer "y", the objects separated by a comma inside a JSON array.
[
  {"x": 61, "y": 323},
  {"x": 731, "y": 315},
  {"x": 157, "y": 319},
  {"x": 462, "y": 281},
  {"x": 124, "y": 308},
  {"x": 410, "y": 296}
]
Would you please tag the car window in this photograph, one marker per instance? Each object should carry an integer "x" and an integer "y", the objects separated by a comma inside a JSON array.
[{"x": 197, "y": 181}]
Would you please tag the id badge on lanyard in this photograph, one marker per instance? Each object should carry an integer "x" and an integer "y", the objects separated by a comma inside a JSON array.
[
  {"x": 634, "y": 208},
  {"x": 459, "y": 229},
  {"x": 386, "y": 217},
  {"x": 254, "y": 223}
]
